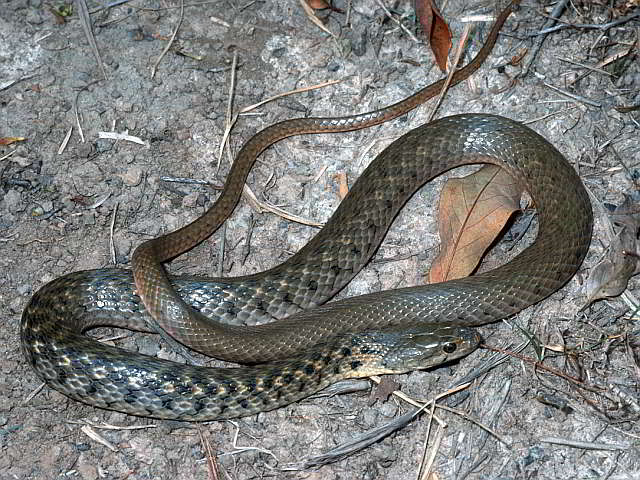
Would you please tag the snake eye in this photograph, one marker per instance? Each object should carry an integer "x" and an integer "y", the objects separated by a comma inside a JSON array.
[{"x": 449, "y": 347}]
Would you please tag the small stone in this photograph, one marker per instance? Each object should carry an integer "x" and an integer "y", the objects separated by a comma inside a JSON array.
[
  {"x": 132, "y": 177},
  {"x": 88, "y": 219},
  {"x": 13, "y": 201},
  {"x": 86, "y": 469},
  {"x": 20, "y": 160},
  {"x": 191, "y": 200},
  {"x": 84, "y": 150},
  {"x": 34, "y": 17}
]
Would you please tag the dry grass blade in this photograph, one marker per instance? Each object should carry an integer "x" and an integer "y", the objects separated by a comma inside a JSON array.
[
  {"x": 315, "y": 20},
  {"x": 170, "y": 42},
  {"x": 85, "y": 20}
]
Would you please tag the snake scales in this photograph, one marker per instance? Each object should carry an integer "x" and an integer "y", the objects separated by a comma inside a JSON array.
[{"x": 403, "y": 329}]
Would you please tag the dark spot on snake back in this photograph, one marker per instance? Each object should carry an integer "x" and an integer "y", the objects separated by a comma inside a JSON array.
[
  {"x": 356, "y": 364},
  {"x": 312, "y": 285},
  {"x": 288, "y": 378},
  {"x": 244, "y": 404},
  {"x": 345, "y": 352},
  {"x": 309, "y": 369}
]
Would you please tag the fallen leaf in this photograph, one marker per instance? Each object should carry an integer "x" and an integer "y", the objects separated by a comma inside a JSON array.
[
  {"x": 384, "y": 389},
  {"x": 435, "y": 30},
  {"x": 10, "y": 140},
  {"x": 322, "y": 4},
  {"x": 473, "y": 211},
  {"x": 610, "y": 277},
  {"x": 311, "y": 16},
  {"x": 628, "y": 213}
]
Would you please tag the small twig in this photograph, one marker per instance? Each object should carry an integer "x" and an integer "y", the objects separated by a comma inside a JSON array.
[
  {"x": 85, "y": 19},
  {"x": 398, "y": 22},
  {"x": 112, "y": 246},
  {"x": 589, "y": 67},
  {"x": 590, "y": 26},
  {"x": 35, "y": 391},
  {"x": 611, "y": 58},
  {"x": 550, "y": 114},
  {"x": 92, "y": 434},
  {"x": 241, "y": 449},
  {"x": 555, "y": 13},
  {"x": 106, "y": 426},
  {"x": 315, "y": 20},
  {"x": 75, "y": 108},
  {"x": 424, "y": 469},
  {"x": 584, "y": 445},
  {"x": 171, "y": 40},
  {"x": 229, "y": 120},
  {"x": 123, "y": 136},
  {"x": 445, "y": 87},
  {"x": 573, "y": 96},
  {"x": 291, "y": 92},
  {"x": 8, "y": 155},
  {"x": 63, "y": 145},
  {"x": 212, "y": 465},
  {"x": 191, "y": 181},
  {"x": 575, "y": 381},
  {"x": 9, "y": 83}
]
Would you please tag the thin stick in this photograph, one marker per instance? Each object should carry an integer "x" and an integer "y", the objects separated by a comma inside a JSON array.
[
  {"x": 445, "y": 87},
  {"x": 173, "y": 37}
]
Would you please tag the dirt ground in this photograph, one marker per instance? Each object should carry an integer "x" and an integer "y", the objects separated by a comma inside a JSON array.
[{"x": 57, "y": 206}]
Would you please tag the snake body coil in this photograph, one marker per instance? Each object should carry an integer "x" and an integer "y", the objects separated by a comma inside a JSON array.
[{"x": 432, "y": 319}]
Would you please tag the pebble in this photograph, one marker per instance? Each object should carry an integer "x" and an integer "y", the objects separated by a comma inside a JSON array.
[
  {"x": 13, "y": 201},
  {"x": 132, "y": 177}
]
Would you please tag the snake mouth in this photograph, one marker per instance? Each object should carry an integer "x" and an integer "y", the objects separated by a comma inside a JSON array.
[{"x": 426, "y": 346}]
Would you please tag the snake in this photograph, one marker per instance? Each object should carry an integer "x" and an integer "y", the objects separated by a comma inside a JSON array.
[{"x": 308, "y": 343}]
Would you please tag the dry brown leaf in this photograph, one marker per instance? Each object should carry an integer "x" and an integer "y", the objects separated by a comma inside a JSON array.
[
  {"x": 628, "y": 213},
  {"x": 384, "y": 389},
  {"x": 322, "y": 4},
  {"x": 435, "y": 30},
  {"x": 610, "y": 277},
  {"x": 10, "y": 140},
  {"x": 473, "y": 211}
]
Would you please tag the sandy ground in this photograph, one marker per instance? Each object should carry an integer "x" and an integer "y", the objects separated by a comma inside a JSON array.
[{"x": 56, "y": 212}]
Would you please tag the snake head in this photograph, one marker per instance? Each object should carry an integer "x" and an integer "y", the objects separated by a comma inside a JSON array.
[{"x": 427, "y": 346}]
